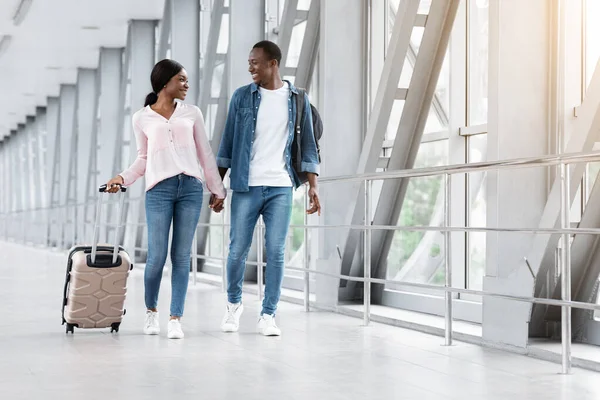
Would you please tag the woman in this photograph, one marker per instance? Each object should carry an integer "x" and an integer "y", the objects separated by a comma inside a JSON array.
[{"x": 171, "y": 146}]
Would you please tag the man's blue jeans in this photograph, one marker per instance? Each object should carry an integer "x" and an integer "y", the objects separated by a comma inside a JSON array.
[
  {"x": 176, "y": 199},
  {"x": 275, "y": 205}
]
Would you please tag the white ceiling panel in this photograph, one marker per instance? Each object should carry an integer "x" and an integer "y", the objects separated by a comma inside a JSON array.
[{"x": 54, "y": 39}]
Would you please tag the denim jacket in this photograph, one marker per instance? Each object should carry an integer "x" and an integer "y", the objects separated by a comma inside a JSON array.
[{"x": 236, "y": 145}]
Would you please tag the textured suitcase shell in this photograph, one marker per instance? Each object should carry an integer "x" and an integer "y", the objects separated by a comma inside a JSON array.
[{"x": 95, "y": 296}]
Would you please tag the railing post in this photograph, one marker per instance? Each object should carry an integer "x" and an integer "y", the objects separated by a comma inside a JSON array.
[
  {"x": 367, "y": 254},
  {"x": 306, "y": 255},
  {"x": 565, "y": 201},
  {"x": 447, "y": 262}
]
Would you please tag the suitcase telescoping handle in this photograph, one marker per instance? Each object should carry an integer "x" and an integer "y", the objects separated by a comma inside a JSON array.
[{"x": 121, "y": 195}]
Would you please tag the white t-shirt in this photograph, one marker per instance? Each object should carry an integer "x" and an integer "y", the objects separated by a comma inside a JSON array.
[{"x": 267, "y": 162}]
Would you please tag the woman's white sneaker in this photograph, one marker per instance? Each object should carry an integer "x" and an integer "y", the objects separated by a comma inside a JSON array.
[
  {"x": 267, "y": 326},
  {"x": 231, "y": 320},
  {"x": 151, "y": 326},
  {"x": 175, "y": 331}
]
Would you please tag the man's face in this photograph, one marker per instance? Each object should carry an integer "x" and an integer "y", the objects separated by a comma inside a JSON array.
[{"x": 260, "y": 67}]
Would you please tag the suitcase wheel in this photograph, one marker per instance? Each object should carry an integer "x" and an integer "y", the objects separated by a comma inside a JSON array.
[
  {"x": 70, "y": 328},
  {"x": 115, "y": 327}
]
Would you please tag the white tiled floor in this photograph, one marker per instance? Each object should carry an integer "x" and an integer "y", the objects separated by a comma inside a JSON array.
[{"x": 320, "y": 355}]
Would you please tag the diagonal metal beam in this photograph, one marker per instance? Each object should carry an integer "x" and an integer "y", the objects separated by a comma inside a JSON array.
[
  {"x": 541, "y": 255},
  {"x": 218, "y": 11},
  {"x": 290, "y": 12},
  {"x": 584, "y": 263},
  {"x": 418, "y": 101},
  {"x": 310, "y": 46},
  {"x": 378, "y": 120},
  {"x": 438, "y": 107}
]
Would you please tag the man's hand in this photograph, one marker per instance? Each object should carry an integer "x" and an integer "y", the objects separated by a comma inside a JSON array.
[
  {"x": 315, "y": 205},
  {"x": 114, "y": 185},
  {"x": 313, "y": 195},
  {"x": 216, "y": 204}
]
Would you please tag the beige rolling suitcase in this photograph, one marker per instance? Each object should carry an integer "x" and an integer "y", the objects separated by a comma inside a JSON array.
[{"x": 96, "y": 280}]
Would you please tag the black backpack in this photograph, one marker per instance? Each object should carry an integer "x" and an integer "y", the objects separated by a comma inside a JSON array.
[{"x": 297, "y": 143}]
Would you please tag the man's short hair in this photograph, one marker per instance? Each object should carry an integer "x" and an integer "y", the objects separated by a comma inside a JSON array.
[{"x": 271, "y": 50}]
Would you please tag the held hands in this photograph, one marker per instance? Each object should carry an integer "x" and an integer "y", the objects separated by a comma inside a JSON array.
[
  {"x": 315, "y": 205},
  {"x": 216, "y": 204},
  {"x": 114, "y": 185}
]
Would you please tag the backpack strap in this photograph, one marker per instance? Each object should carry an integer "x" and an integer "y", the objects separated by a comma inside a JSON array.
[{"x": 299, "y": 110}]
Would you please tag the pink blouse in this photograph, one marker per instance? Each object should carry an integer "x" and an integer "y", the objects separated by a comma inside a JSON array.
[{"x": 166, "y": 148}]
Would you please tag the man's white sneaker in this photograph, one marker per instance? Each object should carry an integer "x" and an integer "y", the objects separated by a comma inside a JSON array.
[
  {"x": 151, "y": 326},
  {"x": 267, "y": 326},
  {"x": 175, "y": 331},
  {"x": 231, "y": 320}
]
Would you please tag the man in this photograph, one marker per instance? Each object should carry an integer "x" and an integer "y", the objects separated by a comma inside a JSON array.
[{"x": 256, "y": 146}]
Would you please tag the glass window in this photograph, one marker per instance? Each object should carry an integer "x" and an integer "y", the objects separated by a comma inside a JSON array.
[
  {"x": 303, "y": 4},
  {"x": 294, "y": 248},
  {"x": 215, "y": 237},
  {"x": 419, "y": 256},
  {"x": 223, "y": 43},
  {"x": 424, "y": 6},
  {"x": 295, "y": 48},
  {"x": 438, "y": 117}
]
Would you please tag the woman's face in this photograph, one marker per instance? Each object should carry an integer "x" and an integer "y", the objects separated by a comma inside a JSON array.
[{"x": 178, "y": 86}]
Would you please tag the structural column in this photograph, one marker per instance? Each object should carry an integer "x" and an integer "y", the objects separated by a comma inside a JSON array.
[
  {"x": 21, "y": 181},
  {"x": 37, "y": 154},
  {"x": 62, "y": 164},
  {"x": 185, "y": 41},
  {"x": 141, "y": 61},
  {"x": 246, "y": 27},
  {"x": 87, "y": 102},
  {"x": 105, "y": 141},
  {"x": 52, "y": 163},
  {"x": 12, "y": 169},
  {"x": 111, "y": 69},
  {"x": 342, "y": 60},
  {"x": 52, "y": 140},
  {"x": 16, "y": 172},
  {"x": 3, "y": 180},
  {"x": 518, "y": 81}
]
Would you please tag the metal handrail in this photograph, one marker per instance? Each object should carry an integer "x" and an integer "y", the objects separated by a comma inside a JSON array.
[
  {"x": 529, "y": 162},
  {"x": 562, "y": 161},
  {"x": 508, "y": 164}
]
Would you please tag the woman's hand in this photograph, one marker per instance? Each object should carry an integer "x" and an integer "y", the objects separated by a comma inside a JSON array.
[
  {"x": 216, "y": 204},
  {"x": 114, "y": 185}
]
